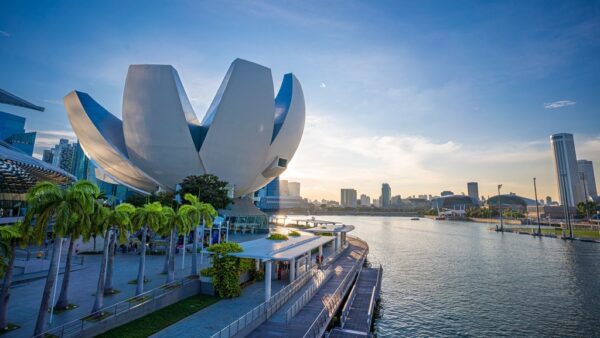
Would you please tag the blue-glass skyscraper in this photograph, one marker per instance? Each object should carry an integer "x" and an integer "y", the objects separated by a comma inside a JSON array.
[{"x": 12, "y": 131}]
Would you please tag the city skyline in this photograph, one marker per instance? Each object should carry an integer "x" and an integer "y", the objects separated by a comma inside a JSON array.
[{"x": 422, "y": 98}]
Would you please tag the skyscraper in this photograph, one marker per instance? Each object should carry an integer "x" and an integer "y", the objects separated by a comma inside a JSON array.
[
  {"x": 588, "y": 180},
  {"x": 569, "y": 186},
  {"x": 348, "y": 198},
  {"x": 386, "y": 195},
  {"x": 365, "y": 200},
  {"x": 294, "y": 189},
  {"x": 62, "y": 155},
  {"x": 283, "y": 188},
  {"x": 473, "y": 190},
  {"x": 12, "y": 131}
]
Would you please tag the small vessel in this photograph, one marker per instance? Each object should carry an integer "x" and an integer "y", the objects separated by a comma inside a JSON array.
[{"x": 414, "y": 219}]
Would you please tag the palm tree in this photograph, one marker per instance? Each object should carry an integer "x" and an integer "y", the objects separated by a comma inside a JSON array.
[
  {"x": 201, "y": 212},
  {"x": 179, "y": 222},
  {"x": 106, "y": 221},
  {"x": 149, "y": 217},
  {"x": 10, "y": 236},
  {"x": 120, "y": 221},
  {"x": 48, "y": 202}
]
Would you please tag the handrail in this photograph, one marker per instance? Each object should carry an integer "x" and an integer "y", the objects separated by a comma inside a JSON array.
[
  {"x": 376, "y": 291},
  {"x": 349, "y": 302},
  {"x": 308, "y": 294},
  {"x": 77, "y": 326},
  {"x": 319, "y": 325}
]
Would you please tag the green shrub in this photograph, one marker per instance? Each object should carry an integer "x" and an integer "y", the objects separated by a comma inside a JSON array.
[
  {"x": 207, "y": 272},
  {"x": 246, "y": 264},
  {"x": 226, "y": 269},
  {"x": 278, "y": 237},
  {"x": 294, "y": 233}
]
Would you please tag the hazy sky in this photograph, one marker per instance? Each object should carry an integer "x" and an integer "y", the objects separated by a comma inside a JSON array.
[{"x": 423, "y": 95}]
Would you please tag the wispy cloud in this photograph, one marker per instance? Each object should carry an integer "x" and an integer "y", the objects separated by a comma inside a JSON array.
[
  {"x": 5, "y": 34},
  {"x": 559, "y": 104}
]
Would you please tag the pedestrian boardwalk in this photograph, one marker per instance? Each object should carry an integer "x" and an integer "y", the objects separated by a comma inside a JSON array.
[
  {"x": 358, "y": 320},
  {"x": 303, "y": 320}
]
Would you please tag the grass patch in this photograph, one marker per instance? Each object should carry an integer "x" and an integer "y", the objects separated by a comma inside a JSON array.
[
  {"x": 580, "y": 233},
  {"x": 61, "y": 310},
  {"x": 278, "y": 237},
  {"x": 134, "y": 281},
  {"x": 294, "y": 233},
  {"x": 96, "y": 317},
  {"x": 91, "y": 252},
  {"x": 158, "y": 320},
  {"x": 9, "y": 327}
]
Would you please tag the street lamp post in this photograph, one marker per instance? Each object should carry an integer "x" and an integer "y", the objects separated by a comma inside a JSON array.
[
  {"x": 537, "y": 207},
  {"x": 500, "y": 209}
]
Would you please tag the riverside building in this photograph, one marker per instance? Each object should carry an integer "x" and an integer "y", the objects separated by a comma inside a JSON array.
[{"x": 570, "y": 190}]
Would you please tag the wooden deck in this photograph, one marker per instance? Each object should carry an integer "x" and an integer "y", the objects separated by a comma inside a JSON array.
[
  {"x": 357, "y": 323},
  {"x": 300, "y": 323}
]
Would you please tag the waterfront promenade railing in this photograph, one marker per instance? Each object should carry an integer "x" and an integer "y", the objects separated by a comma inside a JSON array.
[
  {"x": 103, "y": 317},
  {"x": 265, "y": 309},
  {"x": 309, "y": 293},
  {"x": 332, "y": 303},
  {"x": 375, "y": 293}
]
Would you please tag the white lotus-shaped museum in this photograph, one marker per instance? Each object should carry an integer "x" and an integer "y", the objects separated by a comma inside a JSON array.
[{"x": 246, "y": 138}]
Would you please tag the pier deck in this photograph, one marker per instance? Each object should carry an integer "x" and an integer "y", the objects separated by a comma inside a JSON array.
[
  {"x": 358, "y": 320},
  {"x": 300, "y": 324}
]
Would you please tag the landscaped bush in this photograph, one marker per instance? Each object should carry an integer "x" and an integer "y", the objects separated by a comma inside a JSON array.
[
  {"x": 294, "y": 233},
  {"x": 207, "y": 272},
  {"x": 246, "y": 264},
  {"x": 278, "y": 237},
  {"x": 226, "y": 269}
]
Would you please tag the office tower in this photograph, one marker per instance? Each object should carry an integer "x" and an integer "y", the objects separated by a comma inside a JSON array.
[
  {"x": 348, "y": 198},
  {"x": 396, "y": 201},
  {"x": 473, "y": 190},
  {"x": 283, "y": 188},
  {"x": 386, "y": 195},
  {"x": 365, "y": 200},
  {"x": 568, "y": 181},
  {"x": 294, "y": 189},
  {"x": 588, "y": 180},
  {"x": 62, "y": 155},
  {"x": 47, "y": 156},
  {"x": 12, "y": 131},
  {"x": 273, "y": 187}
]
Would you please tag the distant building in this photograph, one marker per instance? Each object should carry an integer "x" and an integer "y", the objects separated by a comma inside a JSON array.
[
  {"x": 473, "y": 190},
  {"x": 453, "y": 202},
  {"x": 376, "y": 202},
  {"x": 588, "y": 180},
  {"x": 284, "y": 189},
  {"x": 365, "y": 200},
  {"x": 12, "y": 131},
  {"x": 348, "y": 198},
  {"x": 294, "y": 189},
  {"x": 548, "y": 200},
  {"x": 565, "y": 169},
  {"x": 422, "y": 197},
  {"x": 446, "y": 193},
  {"x": 47, "y": 156},
  {"x": 62, "y": 155},
  {"x": 396, "y": 201},
  {"x": 272, "y": 188},
  {"x": 386, "y": 195}
]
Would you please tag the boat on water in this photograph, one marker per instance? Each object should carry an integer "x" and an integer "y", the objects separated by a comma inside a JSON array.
[{"x": 414, "y": 219}]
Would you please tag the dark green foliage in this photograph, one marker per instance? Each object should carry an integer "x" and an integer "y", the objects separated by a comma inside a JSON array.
[
  {"x": 226, "y": 278},
  {"x": 208, "y": 188},
  {"x": 158, "y": 320},
  {"x": 165, "y": 198},
  {"x": 207, "y": 272},
  {"x": 294, "y": 233},
  {"x": 278, "y": 237}
]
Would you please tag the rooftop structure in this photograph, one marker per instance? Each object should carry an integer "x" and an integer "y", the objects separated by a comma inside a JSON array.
[{"x": 160, "y": 140}]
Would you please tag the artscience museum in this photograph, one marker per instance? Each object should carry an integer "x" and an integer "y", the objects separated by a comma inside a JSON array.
[{"x": 247, "y": 137}]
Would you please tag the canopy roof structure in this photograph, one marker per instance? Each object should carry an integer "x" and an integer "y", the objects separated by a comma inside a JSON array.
[
  {"x": 335, "y": 228},
  {"x": 13, "y": 100},
  {"x": 282, "y": 250}
]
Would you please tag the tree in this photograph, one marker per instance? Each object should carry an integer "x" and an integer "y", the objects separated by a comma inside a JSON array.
[
  {"x": 178, "y": 222},
  {"x": 226, "y": 277},
  {"x": 148, "y": 218},
  {"x": 107, "y": 220},
  {"x": 208, "y": 188},
  {"x": 120, "y": 220},
  {"x": 10, "y": 236},
  {"x": 48, "y": 202},
  {"x": 200, "y": 212}
]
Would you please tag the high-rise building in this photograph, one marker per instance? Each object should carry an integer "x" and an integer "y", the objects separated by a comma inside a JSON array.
[
  {"x": 47, "y": 156},
  {"x": 294, "y": 189},
  {"x": 588, "y": 180},
  {"x": 283, "y": 188},
  {"x": 273, "y": 187},
  {"x": 473, "y": 190},
  {"x": 386, "y": 195},
  {"x": 365, "y": 200},
  {"x": 62, "y": 155},
  {"x": 396, "y": 201},
  {"x": 568, "y": 181},
  {"x": 348, "y": 198},
  {"x": 12, "y": 131}
]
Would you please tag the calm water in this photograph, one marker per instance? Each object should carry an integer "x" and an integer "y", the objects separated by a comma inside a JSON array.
[{"x": 459, "y": 279}]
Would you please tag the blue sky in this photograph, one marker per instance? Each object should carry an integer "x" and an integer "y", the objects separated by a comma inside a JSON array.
[{"x": 425, "y": 95}]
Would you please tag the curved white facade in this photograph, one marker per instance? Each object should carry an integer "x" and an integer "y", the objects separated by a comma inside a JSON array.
[{"x": 246, "y": 138}]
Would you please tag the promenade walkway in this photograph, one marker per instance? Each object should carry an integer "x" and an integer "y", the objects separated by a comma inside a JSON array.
[{"x": 299, "y": 324}]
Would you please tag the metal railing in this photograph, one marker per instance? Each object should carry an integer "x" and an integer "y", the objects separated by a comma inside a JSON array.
[
  {"x": 265, "y": 309},
  {"x": 376, "y": 291},
  {"x": 348, "y": 305},
  {"x": 111, "y": 313},
  {"x": 332, "y": 303},
  {"x": 321, "y": 278}
]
